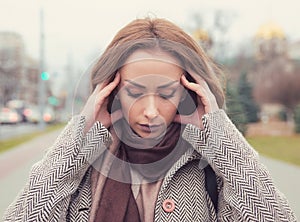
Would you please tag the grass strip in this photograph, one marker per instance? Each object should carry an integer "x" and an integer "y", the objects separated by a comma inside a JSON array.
[
  {"x": 285, "y": 148},
  {"x": 12, "y": 142}
]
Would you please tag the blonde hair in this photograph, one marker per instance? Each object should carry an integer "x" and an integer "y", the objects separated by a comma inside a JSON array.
[{"x": 151, "y": 33}]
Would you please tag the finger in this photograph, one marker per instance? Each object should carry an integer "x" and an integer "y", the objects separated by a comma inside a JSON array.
[
  {"x": 205, "y": 93},
  {"x": 198, "y": 79},
  {"x": 205, "y": 96},
  {"x": 191, "y": 85},
  {"x": 98, "y": 88},
  {"x": 112, "y": 85},
  {"x": 101, "y": 99},
  {"x": 117, "y": 78},
  {"x": 107, "y": 90},
  {"x": 195, "y": 76},
  {"x": 200, "y": 88},
  {"x": 104, "y": 84}
]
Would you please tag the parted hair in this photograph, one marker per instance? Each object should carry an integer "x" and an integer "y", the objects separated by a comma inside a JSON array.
[{"x": 156, "y": 33}]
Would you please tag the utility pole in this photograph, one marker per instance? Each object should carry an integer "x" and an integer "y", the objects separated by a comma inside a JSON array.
[
  {"x": 42, "y": 83},
  {"x": 69, "y": 105}
]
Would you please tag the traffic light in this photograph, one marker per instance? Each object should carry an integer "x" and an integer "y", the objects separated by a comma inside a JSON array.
[
  {"x": 45, "y": 76},
  {"x": 52, "y": 100}
]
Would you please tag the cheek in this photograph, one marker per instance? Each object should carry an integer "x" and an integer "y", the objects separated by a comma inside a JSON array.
[
  {"x": 129, "y": 107},
  {"x": 169, "y": 108},
  {"x": 172, "y": 103}
]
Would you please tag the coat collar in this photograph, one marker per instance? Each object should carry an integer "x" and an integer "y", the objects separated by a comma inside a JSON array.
[{"x": 190, "y": 155}]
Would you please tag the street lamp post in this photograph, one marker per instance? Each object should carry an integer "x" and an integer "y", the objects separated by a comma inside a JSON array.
[{"x": 42, "y": 84}]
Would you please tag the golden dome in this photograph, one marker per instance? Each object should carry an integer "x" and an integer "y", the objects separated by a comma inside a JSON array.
[
  {"x": 201, "y": 35},
  {"x": 270, "y": 30}
]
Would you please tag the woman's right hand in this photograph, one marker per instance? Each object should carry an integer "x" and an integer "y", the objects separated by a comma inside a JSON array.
[{"x": 95, "y": 108}]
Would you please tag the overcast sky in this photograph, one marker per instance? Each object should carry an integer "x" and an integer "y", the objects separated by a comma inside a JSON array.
[{"x": 83, "y": 27}]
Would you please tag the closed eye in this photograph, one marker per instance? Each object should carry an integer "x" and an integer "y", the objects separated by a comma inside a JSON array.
[
  {"x": 133, "y": 93},
  {"x": 167, "y": 95}
]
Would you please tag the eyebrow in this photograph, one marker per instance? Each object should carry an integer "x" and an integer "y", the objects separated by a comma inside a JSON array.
[
  {"x": 135, "y": 84},
  {"x": 168, "y": 84},
  {"x": 159, "y": 87}
]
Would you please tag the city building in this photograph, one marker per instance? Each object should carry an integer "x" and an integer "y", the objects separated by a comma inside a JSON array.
[{"x": 18, "y": 72}]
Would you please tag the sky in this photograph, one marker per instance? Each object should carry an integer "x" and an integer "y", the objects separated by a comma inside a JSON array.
[{"x": 79, "y": 30}]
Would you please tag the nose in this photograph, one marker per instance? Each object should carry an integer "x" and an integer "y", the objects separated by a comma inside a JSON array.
[{"x": 151, "y": 109}]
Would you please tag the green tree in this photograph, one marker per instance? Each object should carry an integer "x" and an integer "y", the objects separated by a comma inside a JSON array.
[
  {"x": 245, "y": 94},
  {"x": 297, "y": 119},
  {"x": 235, "y": 110}
]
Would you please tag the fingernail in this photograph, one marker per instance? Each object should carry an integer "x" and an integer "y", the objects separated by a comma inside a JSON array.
[{"x": 117, "y": 75}]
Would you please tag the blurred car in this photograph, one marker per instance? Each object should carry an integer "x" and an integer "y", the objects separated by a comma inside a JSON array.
[
  {"x": 19, "y": 106},
  {"x": 9, "y": 116},
  {"x": 33, "y": 114},
  {"x": 49, "y": 115}
]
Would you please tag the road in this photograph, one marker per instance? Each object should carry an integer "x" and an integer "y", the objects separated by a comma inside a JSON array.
[
  {"x": 16, "y": 163},
  {"x": 9, "y": 131}
]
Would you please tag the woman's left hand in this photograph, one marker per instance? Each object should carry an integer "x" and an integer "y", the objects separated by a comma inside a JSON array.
[{"x": 205, "y": 98}]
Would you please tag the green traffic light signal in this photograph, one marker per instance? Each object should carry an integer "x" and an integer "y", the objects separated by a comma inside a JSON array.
[
  {"x": 44, "y": 75},
  {"x": 53, "y": 101}
]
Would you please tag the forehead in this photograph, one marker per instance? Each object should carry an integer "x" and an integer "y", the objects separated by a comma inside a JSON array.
[{"x": 147, "y": 65}]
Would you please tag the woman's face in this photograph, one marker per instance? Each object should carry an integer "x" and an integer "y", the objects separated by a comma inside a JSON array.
[{"x": 150, "y": 91}]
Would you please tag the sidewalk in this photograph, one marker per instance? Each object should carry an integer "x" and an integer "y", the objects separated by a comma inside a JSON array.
[
  {"x": 287, "y": 179},
  {"x": 16, "y": 163}
]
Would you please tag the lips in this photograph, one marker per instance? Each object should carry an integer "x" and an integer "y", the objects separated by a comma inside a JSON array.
[{"x": 150, "y": 128}]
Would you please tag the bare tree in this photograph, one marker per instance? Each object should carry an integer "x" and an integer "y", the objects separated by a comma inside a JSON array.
[
  {"x": 278, "y": 82},
  {"x": 216, "y": 23}
]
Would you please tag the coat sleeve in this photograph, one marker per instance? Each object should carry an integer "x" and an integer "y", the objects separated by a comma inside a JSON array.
[
  {"x": 248, "y": 192},
  {"x": 56, "y": 177}
]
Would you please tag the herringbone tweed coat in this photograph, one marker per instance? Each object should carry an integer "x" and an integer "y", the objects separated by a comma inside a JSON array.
[{"x": 59, "y": 187}]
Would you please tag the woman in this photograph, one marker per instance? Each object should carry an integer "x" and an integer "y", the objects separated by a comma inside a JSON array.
[{"x": 143, "y": 145}]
